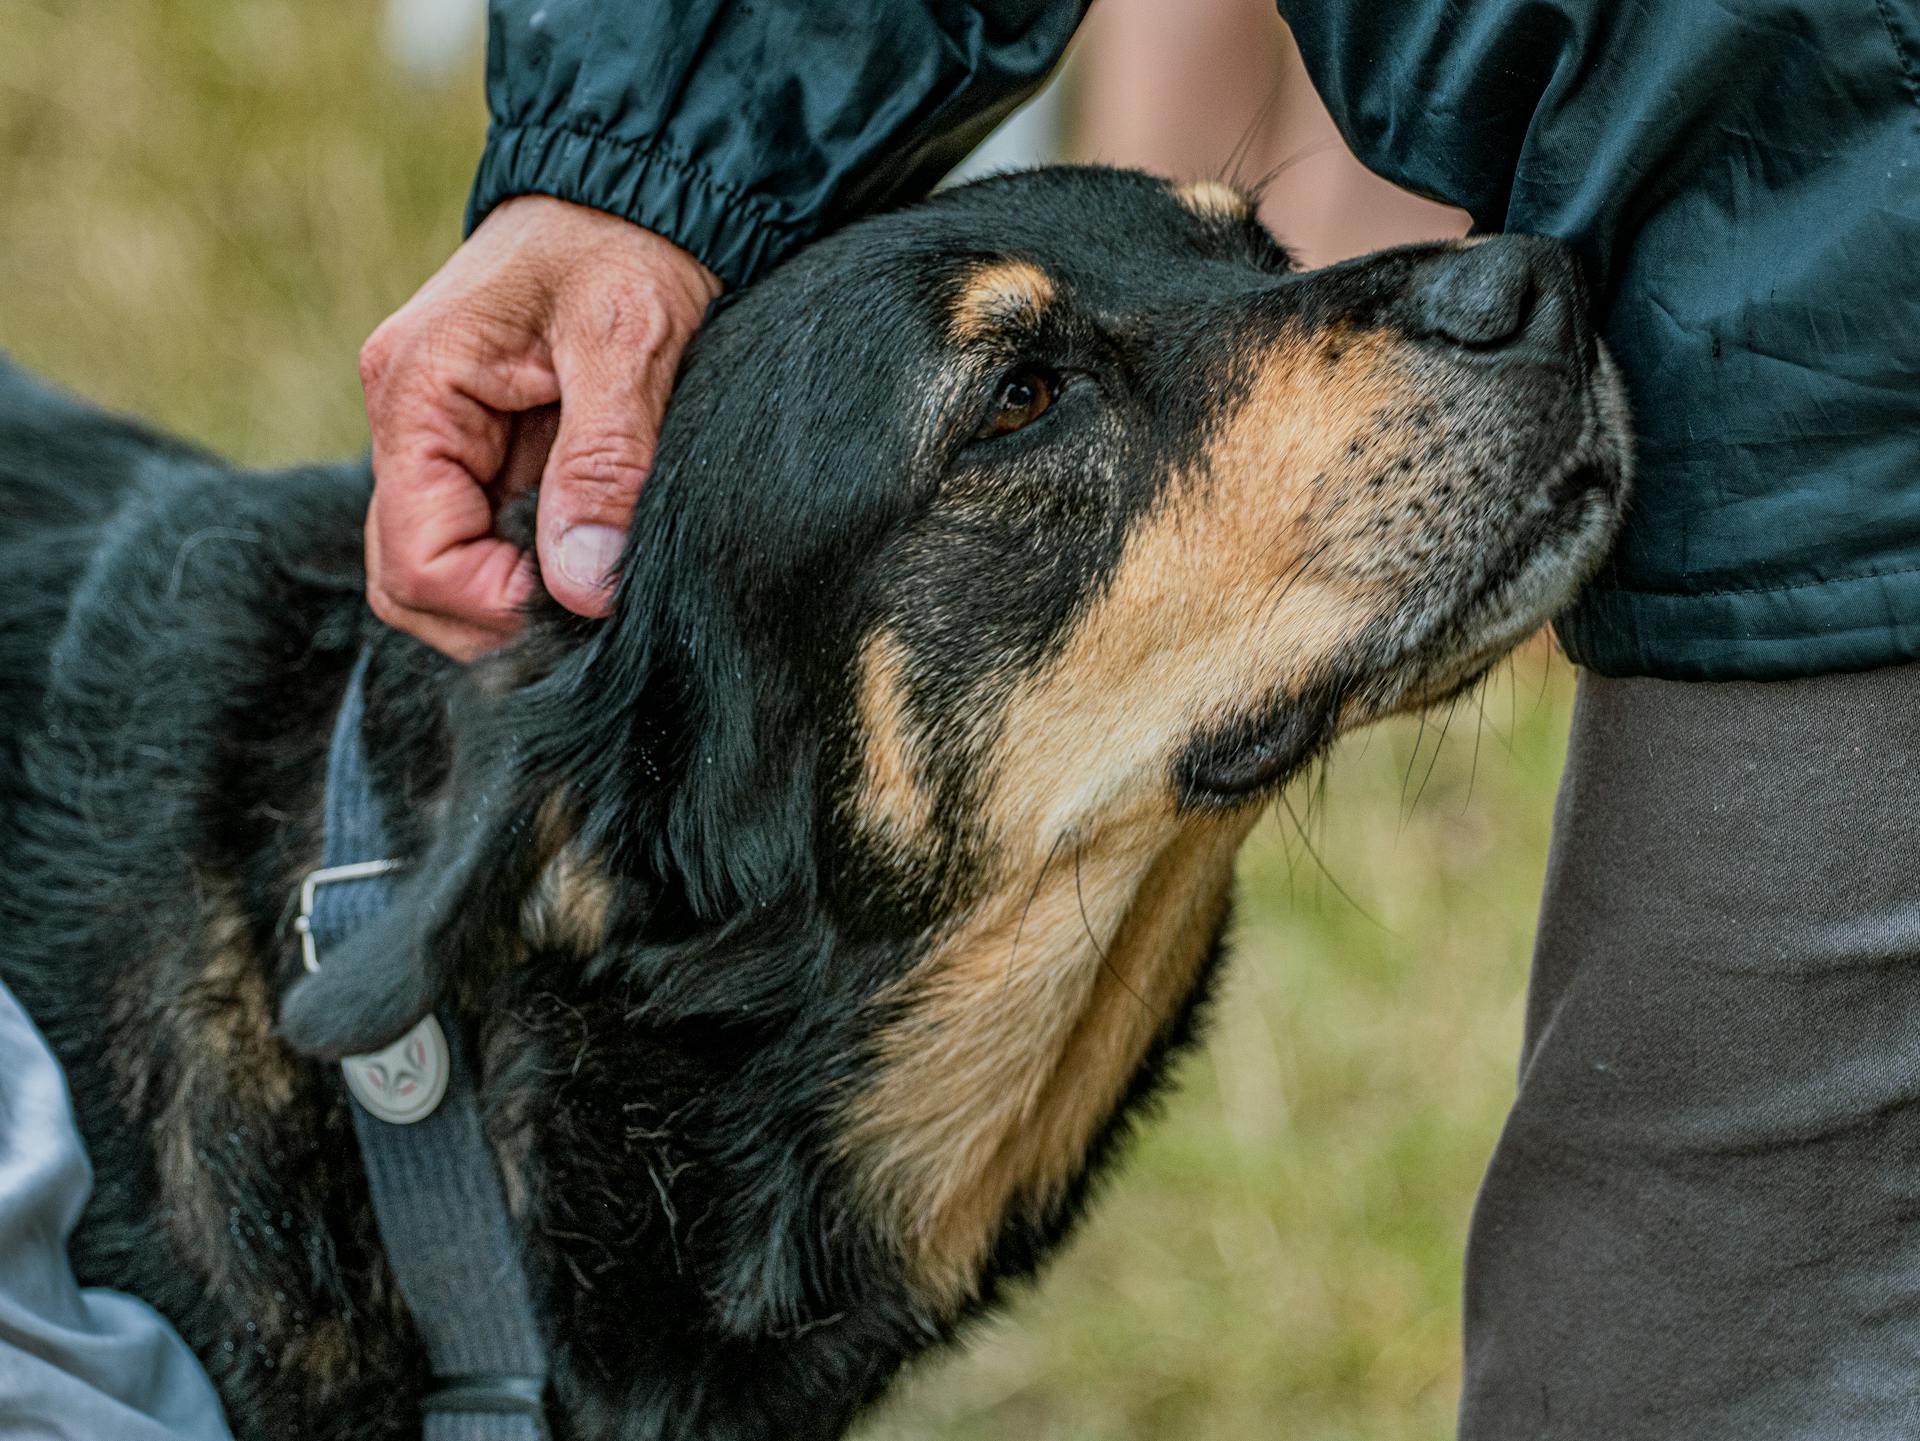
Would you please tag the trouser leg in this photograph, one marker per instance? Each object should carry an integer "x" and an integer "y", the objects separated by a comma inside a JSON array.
[{"x": 1702, "y": 1220}]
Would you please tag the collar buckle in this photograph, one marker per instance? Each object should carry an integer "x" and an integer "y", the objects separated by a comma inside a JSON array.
[
  {"x": 309, "y": 890},
  {"x": 405, "y": 1081}
]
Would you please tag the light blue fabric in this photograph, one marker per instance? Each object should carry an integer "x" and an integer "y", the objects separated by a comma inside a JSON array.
[{"x": 82, "y": 1364}]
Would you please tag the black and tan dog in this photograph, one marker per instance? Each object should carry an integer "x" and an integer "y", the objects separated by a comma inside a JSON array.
[{"x": 821, "y": 918}]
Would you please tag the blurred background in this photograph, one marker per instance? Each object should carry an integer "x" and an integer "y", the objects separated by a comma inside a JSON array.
[{"x": 206, "y": 205}]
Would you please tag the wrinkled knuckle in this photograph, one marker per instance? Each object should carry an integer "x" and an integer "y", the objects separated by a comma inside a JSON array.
[
  {"x": 631, "y": 314},
  {"x": 433, "y": 344},
  {"x": 445, "y": 339},
  {"x": 376, "y": 358},
  {"x": 613, "y": 467},
  {"x": 638, "y": 314}
]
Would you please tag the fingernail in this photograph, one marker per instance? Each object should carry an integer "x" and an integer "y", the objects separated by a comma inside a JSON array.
[{"x": 588, "y": 553}]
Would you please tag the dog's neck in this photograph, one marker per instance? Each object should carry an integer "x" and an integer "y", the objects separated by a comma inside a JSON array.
[
  {"x": 788, "y": 1145},
  {"x": 668, "y": 1248}
]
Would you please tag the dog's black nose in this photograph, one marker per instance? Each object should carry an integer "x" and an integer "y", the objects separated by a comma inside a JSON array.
[{"x": 1516, "y": 297}]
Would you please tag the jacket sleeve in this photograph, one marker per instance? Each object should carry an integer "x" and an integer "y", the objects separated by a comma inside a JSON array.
[
  {"x": 739, "y": 128},
  {"x": 74, "y": 1362}
]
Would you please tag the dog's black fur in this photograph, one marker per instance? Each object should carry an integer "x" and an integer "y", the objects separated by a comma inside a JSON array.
[{"x": 647, "y": 863}]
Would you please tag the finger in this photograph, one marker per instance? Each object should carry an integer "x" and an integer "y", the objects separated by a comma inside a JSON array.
[
  {"x": 449, "y": 631},
  {"x": 434, "y": 566},
  {"x": 431, "y": 550},
  {"x": 614, "y": 382},
  {"x": 439, "y": 382},
  {"x": 432, "y": 563}
]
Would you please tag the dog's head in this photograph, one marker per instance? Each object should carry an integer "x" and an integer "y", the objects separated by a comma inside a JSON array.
[{"x": 1004, "y": 555}]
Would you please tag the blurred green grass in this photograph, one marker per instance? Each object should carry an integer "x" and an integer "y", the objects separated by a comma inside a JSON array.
[{"x": 205, "y": 205}]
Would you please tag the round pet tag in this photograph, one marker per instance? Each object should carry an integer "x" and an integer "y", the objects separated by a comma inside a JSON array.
[{"x": 404, "y": 1082}]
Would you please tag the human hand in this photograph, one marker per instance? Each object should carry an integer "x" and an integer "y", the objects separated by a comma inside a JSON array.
[{"x": 546, "y": 302}]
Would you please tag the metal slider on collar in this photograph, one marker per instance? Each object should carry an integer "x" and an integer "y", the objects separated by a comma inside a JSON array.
[
  {"x": 497, "y": 1394},
  {"x": 401, "y": 1083}
]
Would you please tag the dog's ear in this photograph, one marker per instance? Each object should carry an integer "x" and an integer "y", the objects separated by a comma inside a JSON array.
[
  {"x": 631, "y": 763},
  {"x": 457, "y": 904},
  {"x": 660, "y": 742}
]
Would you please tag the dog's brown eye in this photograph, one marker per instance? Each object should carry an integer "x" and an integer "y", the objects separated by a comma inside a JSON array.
[{"x": 1024, "y": 397}]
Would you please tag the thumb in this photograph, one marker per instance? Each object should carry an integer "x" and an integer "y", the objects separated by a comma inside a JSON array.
[{"x": 610, "y": 409}]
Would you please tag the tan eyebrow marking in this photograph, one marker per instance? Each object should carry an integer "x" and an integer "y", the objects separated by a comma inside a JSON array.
[
  {"x": 1214, "y": 200},
  {"x": 997, "y": 292}
]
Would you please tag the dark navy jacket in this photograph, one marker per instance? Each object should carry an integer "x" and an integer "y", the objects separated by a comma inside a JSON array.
[{"x": 1742, "y": 177}]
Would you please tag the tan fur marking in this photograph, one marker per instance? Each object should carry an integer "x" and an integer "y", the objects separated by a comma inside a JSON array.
[
  {"x": 890, "y": 801},
  {"x": 193, "y": 1212},
  {"x": 1017, "y": 1041},
  {"x": 996, "y": 293},
  {"x": 571, "y": 901},
  {"x": 1021, "y": 1042},
  {"x": 212, "y": 1001},
  {"x": 510, "y": 1128},
  {"x": 1237, "y": 585},
  {"x": 570, "y": 905},
  {"x": 219, "y": 1011},
  {"x": 1214, "y": 200},
  {"x": 323, "y": 1350}
]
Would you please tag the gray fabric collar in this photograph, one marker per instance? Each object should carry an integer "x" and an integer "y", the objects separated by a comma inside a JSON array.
[{"x": 437, "y": 1194}]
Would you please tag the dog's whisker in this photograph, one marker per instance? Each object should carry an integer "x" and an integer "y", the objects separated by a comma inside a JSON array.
[
  {"x": 1258, "y": 189},
  {"x": 1106, "y": 961},
  {"x": 1479, "y": 727},
  {"x": 1032, "y": 895},
  {"x": 1325, "y": 870},
  {"x": 1244, "y": 145},
  {"x": 1290, "y": 577},
  {"x": 1508, "y": 736},
  {"x": 1446, "y": 724},
  {"x": 1406, "y": 780}
]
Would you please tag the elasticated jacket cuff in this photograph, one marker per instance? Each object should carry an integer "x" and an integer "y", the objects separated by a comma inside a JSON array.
[{"x": 730, "y": 233}]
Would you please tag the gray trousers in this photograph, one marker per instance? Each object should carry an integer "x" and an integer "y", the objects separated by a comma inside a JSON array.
[{"x": 1702, "y": 1221}]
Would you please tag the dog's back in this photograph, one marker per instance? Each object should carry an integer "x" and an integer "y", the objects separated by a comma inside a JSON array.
[
  {"x": 149, "y": 594},
  {"x": 96, "y": 505},
  {"x": 64, "y": 467}
]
